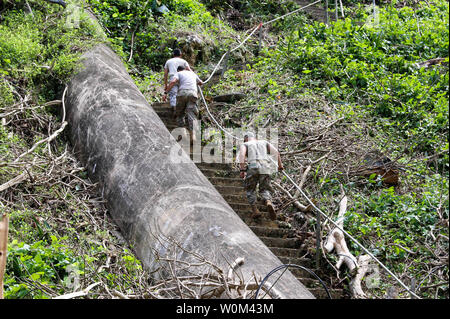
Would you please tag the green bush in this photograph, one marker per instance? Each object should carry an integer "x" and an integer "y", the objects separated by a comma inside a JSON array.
[
  {"x": 39, "y": 52},
  {"x": 32, "y": 265},
  {"x": 399, "y": 227},
  {"x": 135, "y": 27},
  {"x": 376, "y": 66}
]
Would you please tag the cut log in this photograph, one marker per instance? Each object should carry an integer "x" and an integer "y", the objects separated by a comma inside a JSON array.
[
  {"x": 388, "y": 176},
  {"x": 296, "y": 203},
  {"x": 435, "y": 61},
  {"x": 16, "y": 180},
  {"x": 77, "y": 294},
  {"x": 229, "y": 98},
  {"x": 381, "y": 166}
]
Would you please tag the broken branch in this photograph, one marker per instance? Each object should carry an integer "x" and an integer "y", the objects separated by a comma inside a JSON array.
[
  {"x": 336, "y": 241},
  {"x": 296, "y": 203},
  {"x": 355, "y": 284},
  {"x": 4, "y": 222}
]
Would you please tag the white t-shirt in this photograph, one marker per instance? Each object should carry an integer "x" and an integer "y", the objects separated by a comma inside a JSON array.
[
  {"x": 187, "y": 81},
  {"x": 173, "y": 64}
]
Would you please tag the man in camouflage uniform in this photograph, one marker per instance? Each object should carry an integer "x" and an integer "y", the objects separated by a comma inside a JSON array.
[{"x": 258, "y": 171}]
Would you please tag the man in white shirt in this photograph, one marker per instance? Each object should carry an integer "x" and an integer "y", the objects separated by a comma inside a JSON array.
[
  {"x": 187, "y": 96},
  {"x": 170, "y": 69}
]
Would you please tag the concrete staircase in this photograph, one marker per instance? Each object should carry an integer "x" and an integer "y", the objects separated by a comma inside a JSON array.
[{"x": 288, "y": 247}]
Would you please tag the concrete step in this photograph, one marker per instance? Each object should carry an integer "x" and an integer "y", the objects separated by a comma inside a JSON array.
[
  {"x": 235, "y": 198},
  {"x": 301, "y": 261},
  {"x": 320, "y": 293},
  {"x": 238, "y": 190},
  {"x": 288, "y": 252},
  {"x": 239, "y": 201},
  {"x": 216, "y": 166},
  {"x": 161, "y": 106},
  {"x": 263, "y": 221},
  {"x": 243, "y": 207},
  {"x": 163, "y": 111},
  {"x": 162, "y": 103},
  {"x": 309, "y": 282},
  {"x": 300, "y": 273},
  {"x": 219, "y": 173},
  {"x": 226, "y": 181},
  {"x": 165, "y": 114},
  {"x": 272, "y": 232},
  {"x": 282, "y": 242}
]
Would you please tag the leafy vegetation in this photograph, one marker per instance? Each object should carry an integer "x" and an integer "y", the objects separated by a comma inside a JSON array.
[
  {"x": 38, "y": 51},
  {"x": 375, "y": 66},
  {"x": 345, "y": 90},
  {"x": 367, "y": 77},
  {"x": 59, "y": 238},
  {"x": 148, "y": 37}
]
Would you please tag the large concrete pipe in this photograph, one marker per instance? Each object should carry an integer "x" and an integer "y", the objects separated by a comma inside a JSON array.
[{"x": 127, "y": 150}]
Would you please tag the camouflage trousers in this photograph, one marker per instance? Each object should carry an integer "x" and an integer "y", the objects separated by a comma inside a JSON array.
[
  {"x": 252, "y": 180},
  {"x": 173, "y": 96},
  {"x": 186, "y": 111}
]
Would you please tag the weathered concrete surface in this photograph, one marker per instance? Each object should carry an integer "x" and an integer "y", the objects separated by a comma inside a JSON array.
[{"x": 127, "y": 149}]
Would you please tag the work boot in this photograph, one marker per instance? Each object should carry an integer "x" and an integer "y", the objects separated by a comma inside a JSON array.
[
  {"x": 256, "y": 213},
  {"x": 271, "y": 210}
]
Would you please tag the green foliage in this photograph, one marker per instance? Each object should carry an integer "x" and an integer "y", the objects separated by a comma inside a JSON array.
[
  {"x": 45, "y": 260},
  {"x": 38, "y": 263},
  {"x": 39, "y": 52},
  {"x": 375, "y": 65},
  {"x": 401, "y": 227},
  {"x": 249, "y": 8},
  {"x": 389, "y": 218},
  {"x": 6, "y": 96},
  {"x": 52, "y": 237},
  {"x": 135, "y": 27}
]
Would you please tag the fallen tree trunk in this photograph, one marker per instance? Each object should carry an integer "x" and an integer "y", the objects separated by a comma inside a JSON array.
[
  {"x": 336, "y": 241},
  {"x": 127, "y": 149},
  {"x": 355, "y": 284}
]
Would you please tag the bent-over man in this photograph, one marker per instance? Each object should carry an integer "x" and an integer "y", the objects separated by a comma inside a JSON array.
[{"x": 258, "y": 171}]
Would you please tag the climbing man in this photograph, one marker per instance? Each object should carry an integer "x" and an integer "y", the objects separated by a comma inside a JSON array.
[
  {"x": 187, "y": 96},
  {"x": 170, "y": 69},
  {"x": 258, "y": 171}
]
